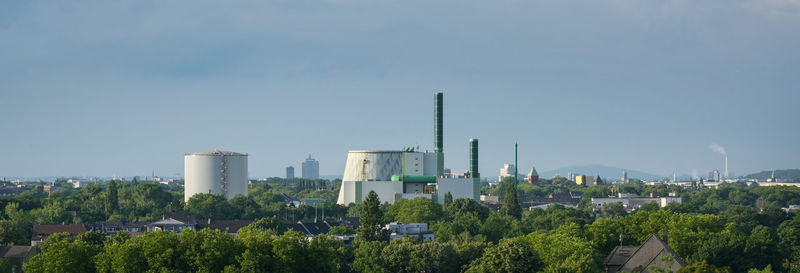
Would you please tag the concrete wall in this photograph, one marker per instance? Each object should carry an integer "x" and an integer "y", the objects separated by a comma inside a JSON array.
[
  {"x": 430, "y": 164},
  {"x": 415, "y": 163},
  {"x": 357, "y": 191},
  {"x": 458, "y": 187}
]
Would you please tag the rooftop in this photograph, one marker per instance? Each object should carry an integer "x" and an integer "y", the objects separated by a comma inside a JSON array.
[
  {"x": 375, "y": 151},
  {"x": 217, "y": 152}
]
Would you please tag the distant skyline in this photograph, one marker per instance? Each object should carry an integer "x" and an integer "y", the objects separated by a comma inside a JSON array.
[{"x": 125, "y": 88}]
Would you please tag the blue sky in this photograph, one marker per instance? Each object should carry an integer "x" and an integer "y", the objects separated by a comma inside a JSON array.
[{"x": 127, "y": 87}]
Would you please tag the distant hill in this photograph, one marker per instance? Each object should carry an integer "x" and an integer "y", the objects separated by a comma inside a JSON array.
[
  {"x": 605, "y": 172},
  {"x": 790, "y": 174}
]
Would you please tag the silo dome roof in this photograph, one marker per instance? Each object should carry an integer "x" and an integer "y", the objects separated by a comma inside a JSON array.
[{"x": 216, "y": 152}]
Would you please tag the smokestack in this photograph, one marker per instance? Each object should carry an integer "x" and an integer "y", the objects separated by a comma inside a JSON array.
[
  {"x": 516, "y": 172},
  {"x": 473, "y": 158},
  {"x": 438, "y": 131},
  {"x": 726, "y": 167}
]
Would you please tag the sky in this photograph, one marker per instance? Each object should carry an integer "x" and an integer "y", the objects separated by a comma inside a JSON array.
[{"x": 122, "y": 88}]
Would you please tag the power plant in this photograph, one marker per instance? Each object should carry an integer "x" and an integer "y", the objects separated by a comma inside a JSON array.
[
  {"x": 409, "y": 173},
  {"x": 216, "y": 172}
]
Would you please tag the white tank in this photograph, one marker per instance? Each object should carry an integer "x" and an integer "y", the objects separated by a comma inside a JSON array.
[{"x": 217, "y": 172}]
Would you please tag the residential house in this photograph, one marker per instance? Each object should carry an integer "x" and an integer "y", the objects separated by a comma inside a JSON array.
[
  {"x": 17, "y": 255},
  {"x": 417, "y": 230},
  {"x": 40, "y": 232},
  {"x": 654, "y": 253}
]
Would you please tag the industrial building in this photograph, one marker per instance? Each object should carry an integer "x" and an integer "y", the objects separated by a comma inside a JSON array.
[
  {"x": 216, "y": 172},
  {"x": 408, "y": 173}
]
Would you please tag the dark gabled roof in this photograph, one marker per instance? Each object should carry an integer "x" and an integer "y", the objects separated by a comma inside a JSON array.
[
  {"x": 353, "y": 222},
  {"x": 15, "y": 251},
  {"x": 293, "y": 226},
  {"x": 494, "y": 207},
  {"x": 169, "y": 221},
  {"x": 617, "y": 258},
  {"x": 317, "y": 228},
  {"x": 649, "y": 254},
  {"x": 287, "y": 198},
  {"x": 314, "y": 229},
  {"x": 42, "y": 231},
  {"x": 183, "y": 216}
]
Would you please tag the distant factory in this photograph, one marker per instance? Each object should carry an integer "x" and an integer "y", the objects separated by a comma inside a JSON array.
[
  {"x": 408, "y": 173},
  {"x": 216, "y": 172}
]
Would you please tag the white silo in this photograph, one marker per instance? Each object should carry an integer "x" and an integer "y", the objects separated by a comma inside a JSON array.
[{"x": 217, "y": 172}]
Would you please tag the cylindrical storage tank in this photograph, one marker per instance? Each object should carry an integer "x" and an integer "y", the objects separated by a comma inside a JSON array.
[
  {"x": 216, "y": 172},
  {"x": 438, "y": 131},
  {"x": 473, "y": 158},
  {"x": 372, "y": 165}
]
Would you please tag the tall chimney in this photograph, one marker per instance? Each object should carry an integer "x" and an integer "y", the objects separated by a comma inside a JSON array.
[
  {"x": 438, "y": 131},
  {"x": 473, "y": 158},
  {"x": 726, "y": 167},
  {"x": 516, "y": 172}
]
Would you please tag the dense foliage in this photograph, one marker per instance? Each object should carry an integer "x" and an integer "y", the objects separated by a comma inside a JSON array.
[{"x": 736, "y": 228}]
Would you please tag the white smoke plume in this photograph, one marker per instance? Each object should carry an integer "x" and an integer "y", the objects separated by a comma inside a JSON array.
[{"x": 719, "y": 149}]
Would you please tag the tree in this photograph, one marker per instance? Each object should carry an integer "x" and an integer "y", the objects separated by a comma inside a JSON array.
[
  {"x": 321, "y": 254},
  {"x": 264, "y": 224},
  {"x": 209, "y": 250},
  {"x": 511, "y": 206},
  {"x": 243, "y": 207},
  {"x": 702, "y": 267},
  {"x": 396, "y": 257},
  {"x": 725, "y": 248},
  {"x": 207, "y": 205},
  {"x": 463, "y": 223},
  {"x": 341, "y": 230},
  {"x": 52, "y": 213},
  {"x": 762, "y": 248},
  {"x": 92, "y": 237},
  {"x": 468, "y": 250},
  {"x": 613, "y": 209},
  {"x": 367, "y": 258},
  {"x": 258, "y": 256},
  {"x": 112, "y": 198},
  {"x": 508, "y": 256},
  {"x": 63, "y": 254},
  {"x": 371, "y": 220},
  {"x": 433, "y": 257},
  {"x": 564, "y": 253},
  {"x": 448, "y": 198},
  {"x": 463, "y": 206},
  {"x": 16, "y": 228},
  {"x": 767, "y": 269},
  {"x": 6, "y": 266},
  {"x": 419, "y": 210},
  {"x": 122, "y": 255}
]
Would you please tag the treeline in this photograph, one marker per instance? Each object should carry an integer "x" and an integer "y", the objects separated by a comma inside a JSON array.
[
  {"x": 735, "y": 228},
  {"x": 147, "y": 201},
  {"x": 469, "y": 238}
]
